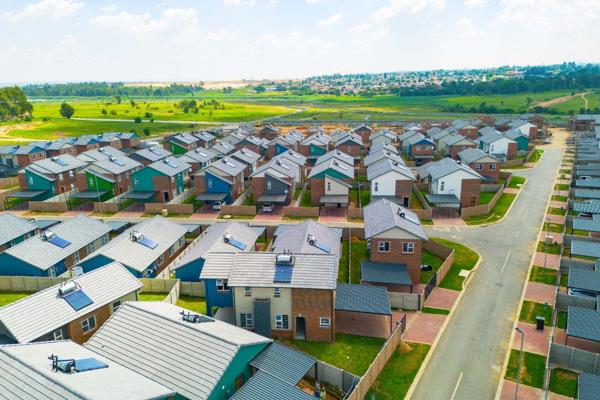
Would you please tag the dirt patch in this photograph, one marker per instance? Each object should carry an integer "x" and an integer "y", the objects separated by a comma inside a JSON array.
[
  {"x": 6, "y": 129},
  {"x": 560, "y": 100}
]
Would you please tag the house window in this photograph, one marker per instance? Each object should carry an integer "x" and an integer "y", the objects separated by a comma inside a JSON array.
[
  {"x": 161, "y": 259},
  {"x": 105, "y": 239},
  {"x": 477, "y": 166},
  {"x": 247, "y": 291},
  {"x": 76, "y": 257},
  {"x": 32, "y": 157},
  {"x": 493, "y": 166},
  {"x": 268, "y": 185},
  {"x": 442, "y": 186},
  {"x": 181, "y": 241},
  {"x": 376, "y": 187},
  {"x": 209, "y": 183},
  {"x": 60, "y": 177},
  {"x": 136, "y": 182},
  {"x": 71, "y": 173},
  {"x": 58, "y": 334},
  {"x": 88, "y": 324},
  {"x": 116, "y": 305},
  {"x": 282, "y": 321},
  {"x": 12, "y": 242},
  {"x": 408, "y": 247},
  {"x": 325, "y": 322},
  {"x": 276, "y": 292},
  {"x": 90, "y": 247},
  {"x": 31, "y": 180},
  {"x": 119, "y": 178},
  {"x": 246, "y": 320},
  {"x": 171, "y": 250},
  {"x": 329, "y": 186},
  {"x": 90, "y": 182},
  {"x": 384, "y": 247},
  {"x": 222, "y": 285}
]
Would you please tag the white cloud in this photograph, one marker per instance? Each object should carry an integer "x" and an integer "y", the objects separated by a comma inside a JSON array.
[
  {"x": 314, "y": 1},
  {"x": 330, "y": 21},
  {"x": 182, "y": 20},
  {"x": 110, "y": 7},
  {"x": 272, "y": 3},
  {"x": 67, "y": 44},
  {"x": 475, "y": 3},
  {"x": 412, "y": 7},
  {"x": 45, "y": 8},
  {"x": 360, "y": 28},
  {"x": 238, "y": 3},
  {"x": 468, "y": 29}
]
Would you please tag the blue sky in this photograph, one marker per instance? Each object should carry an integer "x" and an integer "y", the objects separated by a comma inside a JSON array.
[{"x": 183, "y": 40}]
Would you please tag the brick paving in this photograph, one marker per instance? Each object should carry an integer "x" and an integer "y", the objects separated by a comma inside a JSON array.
[
  {"x": 442, "y": 298},
  {"x": 525, "y": 392},
  {"x": 449, "y": 221},
  {"x": 556, "y": 237},
  {"x": 510, "y": 191},
  {"x": 424, "y": 328},
  {"x": 557, "y": 204},
  {"x": 540, "y": 293},
  {"x": 556, "y": 219},
  {"x": 535, "y": 341},
  {"x": 560, "y": 193},
  {"x": 552, "y": 260}
]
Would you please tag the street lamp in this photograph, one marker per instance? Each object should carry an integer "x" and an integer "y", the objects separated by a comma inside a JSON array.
[
  {"x": 519, "y": 330},
  {"x": 546, "y": 240}
]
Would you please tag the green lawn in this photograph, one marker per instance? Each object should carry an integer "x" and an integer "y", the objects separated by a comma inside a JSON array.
[
  {"x": 365, "y": 197},
  {"x": 552, "y": 227},
  {"x": 431, "y": 310},
  {"x": 414, "y": 202},
  {"x": 429, "y": 259},
  {"x": 561, "y": 320},
  {"x": 516, "y": 182},
  {"x": 561, "y": 186},
  {"x": 497, "y": 212},
  {"x": 564, "y": 280},
  {"x": 564, "y": 382},
  {"x": 560, "y": 198},
  {"x": 548, "y": 248},
  {"x": 532, "y": 368},
  {"x": 400, "y": 371},
  {"x": 196, "y": 304},
  {"x": 530, "y": 310},
  {"x": 359, "y": 253},
  {"x": 486, "y": 197},
  {"x": 557, "y": 211},
  {"x": 11, "y": 297},
  {"x": 535, "y": 157},
  {"x": 464, "y": 258},
  {"x": 543, "y": 275},
  {"x": 305, "y": 202},
  {"x": 152, "y": 296},
  {"x": 351, "y": 353},
  {"x": 249, "y": 200}
]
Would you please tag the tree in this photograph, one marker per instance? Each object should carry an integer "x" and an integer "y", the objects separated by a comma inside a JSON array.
[
  {"x": 118, "y": 98},
  {"x": 14, "y": 104},
  {"x": 259, "y": 89},
  {"x": 137, "y": 120},
  {"x": 132, "y": 103},
  {"x": 104, "y": 112},
  {"x": 147, "y": 131},
  {"x": 66, "y": 111}
]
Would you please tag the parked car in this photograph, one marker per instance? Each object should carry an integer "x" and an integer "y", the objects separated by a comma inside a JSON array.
[
  {"x": 582, "y": 293},
  {"x": 216, "y": 206},
  {"x": 267, "y": 208}
]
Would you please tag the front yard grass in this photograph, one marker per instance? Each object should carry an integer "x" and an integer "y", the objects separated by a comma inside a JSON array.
[
  {"x": 349, "y": 352},
  {"x": 196, "y": 304},
  {"x": 552, "y": 227},
  {"x": 561, "y": 186},
  {"x": 531, "y": 309},
  {"x": 563, "y": 382},
  {"x": 532, "y": 368},
  {"x": 548, "y": 248},
  {"x": 359, "y": 253},
  {"x": 415, "y": 203},
  {"x": 497, "y": 212},
  {"x": 543, "y": 275},
  {"x": 305, "y": 202},
  {"x": 561, "y": 320},
  {"x": 557, "y": 211},
  {"x": 486, "y": 197},
  {"x": 564, "y": 280},
  {"x": 516, "y": 182},
  {"x": 560, "y": 198},
  {"x": 430, "y": 259},
  {"x": 431, "y": 310},
  {"x": 152, "y": 296},
  {"x": 464, "y": 258},
  {"x": 400, "y": 371},
  {"x": 11, "y": 297},
  {"x": 535, "y": 156},
  {"x": 365, "y": 197}
]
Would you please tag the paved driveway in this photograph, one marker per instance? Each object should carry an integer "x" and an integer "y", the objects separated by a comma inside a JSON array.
[{"x": 469, "y": 358}]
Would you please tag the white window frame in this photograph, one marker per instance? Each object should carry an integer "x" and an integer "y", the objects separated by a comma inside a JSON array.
[
  {"x": 58, "y": 334},
  {"x": 223, "y": 284},
  {"x": 325, "y": 322},
  {"x": 376, "y": 186},
  {"x": 76, "y": 257},
  {"x": 31, "y": 180},
  {"x": 161, "y": 259},
  {"x": 381, "y": 246},
  {"x": 248, "y": 321},
  {"x": 493, "y": 167},
  {"x": 478, "y": 166},
  {"x": 247, "y": 291},
  {"x": 408, "y": 247},
  {"x": 209, "y": 183},
  {"x": 136, "y": 182},
  {"x": 71, "y": 173},
  {"x": 116, "y": 305},
  {"x": 91, "y": 248},
  {"x": 282, "y": 322},
  {"x": 269, "y": 185},
  {"x": 276, "y": 292},
  {"x": 442, "y": 186},
  {"x": 89, "y": 324}
]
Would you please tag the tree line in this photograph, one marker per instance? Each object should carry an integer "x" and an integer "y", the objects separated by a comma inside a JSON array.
[
  {"x": 106, "y": 89},
  {"x": 14, "y": 104}
]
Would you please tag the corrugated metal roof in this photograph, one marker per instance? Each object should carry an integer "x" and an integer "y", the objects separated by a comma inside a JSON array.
[
  {"x": 444, "y": 167},
  {"x": 79, "y": 231},
  {"x": 295, "y": 239},
  {"x": 292, "y": 156},
  {"x": 46, "y": 311},
  {"x": 583, "y": 323},
  {"x": 12, "y": 227},
  {"x": 362, "y": 298},
  {"x": 587, "y": 224},
  {"x": 135, "y": 255},
  {"x": 284, "y": 363},
  {"x": 338, "y": 155},
  {"x": 588, "y": 387},
  {"x": 223, "y": 148},
  {"x": 396, "y": 274},
  {"x": 101, "y": 153},
  {"x": 468, "y": 156},
  {"x": 228, "y": 166},
  {"x": 279, "y": 167},
  {"x": 54, "y": 165},
  {"x": 266, "y": 387},
  {"x": 584, "y": 279},
  {"x": 383, "y": 215},
  {"x": 372, "y": 158},
  {"x": 170, "y": 166},
  {"x": 582, "y": 248},
  {"x": 591, "y": 206},
  {"x": 204, "y": 136},
  {"x": 117, "y": 165},
  {"x": 152, "y": 339},
  {"x": 379, "y": 146},
  {"x": 589, "y": 183},
  {"x": 201, "y": 154},
  {"x": 153, "y": 153},
  {"x": 28, "y": 375},
  {"x": 246, "y": 156},
  {"x": 388, "y": 165},
  {"x": 341, "y": 167}
]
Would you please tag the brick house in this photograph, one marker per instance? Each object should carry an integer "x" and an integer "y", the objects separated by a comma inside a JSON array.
[
  {"x": 268, "y": 132},
  {"x": 314, "y": 146},
  {"x": 486, "y": 165},
  {"x": 396, "y": 239},
  {"x": 384, "y": 136},
  {"x": 60, "y": 147},
  {"x": 85, "y": 142},
  {"x": 350, "y": 144},
  {"x": 48, "y": 177},
  {"x": 252, "y": 143},
  {"x": 377, "y": 156},
  {"x": 330, "y": 183},
  {"x": 247, "y": 157},
  {"x": 420, "y": 148},
  {"x": 391, "y": 180},
  {"x": 364, "y": 131},
  {"x": 205, "y": 139},
  {"x": 274, "y": 182},
  {"x": 106, "y": 178},
  {"x": 160, "y": 181},
  {"x": 182, "y": 143},
  {"x": 200, "y": 158},
  {"x": 223, "y": 180},
  {"x": 148, "y": 155},
  {"x": 223, "y": 149},
  {"x": 499, "y": 146},
  {"x": 468, "y": 131},
  {"x": 21, "y": 156},
  {"x": 527, "y": 128},
  {"x": 451, "y": 145},
  {"x": 295, "y": 158},
  {"x": 56, "y": 317}
]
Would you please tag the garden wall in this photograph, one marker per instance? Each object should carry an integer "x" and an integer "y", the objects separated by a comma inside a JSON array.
[
  {"x": 290, "y": 211},
  {"x": 445, "y": 253},
  {"x": 112, "y": 207},
  {"x": 483, "y": 209},
  {"x": 572, "y": 358},
  {"x": 405, "y": 301},
  {"x": 333, "y": 375},
  {"x": 156, "y": 208},
  {"x": 27, "y": 283},
  {"x": 170, "y": 286},
  {"x": 355, "y": 213},
  {"x": 48, "y": 206},
  {"x": 238, "y": 210},
  {"x": 7, "y": 182}
]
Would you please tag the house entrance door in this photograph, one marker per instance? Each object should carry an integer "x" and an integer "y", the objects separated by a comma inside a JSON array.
[{"x": 300, "y": 328}]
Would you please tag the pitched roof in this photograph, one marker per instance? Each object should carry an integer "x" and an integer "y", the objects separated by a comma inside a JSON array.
[
  {"x": 45, "y": 311},
  {"x": 12, "y": 227},
  {"x": 228, "y": 166},
  {"x": 153, "y": 153},
  {"x": 340, "y": 167},
  {"x": 169, "y": 166},
  {"x": 204, "y": 136},
  {"x": 513, "y": 134},
  {"x": 587, "y": 224},
  {"x": 279, "y": 168},
  {"x": 223, "y": 148},
  {"x": 584, "y": 279},
  {"x": 383, "y": 133},
  {"x": 588, "y": 386},
  {"x": 382, "y": 146},
  {"x": 338, "y": 155},
  {"x": 443, "y": 167},
  {"x": 349, "y": 137},
  {"x": 293, "y": 156},
  {"x": 395, "y": 274},
  {"x": 416, "y": 139},
  {"x": 468, "y": 156},
  {"x": 201, "y": 155},
  {"x": 246, "y": 155},
  {"x": 318, "y": 139},
  {"x": 284, "y": 363},
  {"x": 152, "y": 339},
  {"x": 453, "y": 139},
  {"x": 101, "y": 153},
  {"x": 136, "y": 255},
  {"x": 264, "y": 386},
  {"x": 78, "y": 231},
  {"x": 185, "y": 138},
  {"x": 388, "y": 165},
  {"x": 382, "y": 154},
  {"x": 583, "y": 248},
  {"x": 295, "y": 239},
  {"x": 583, "y": 323},
  {"x": 57, "y": 165},
  {"x": 117, "y": 165},
  {"x": 407, "y": 135},
  {"x": 487, "y": 130},
  {"x": 383, "y": 215},
  {"x": 28, "y": 375},
  {"x": 362, "y": 298},
  {"x": 491, "y": 137}
]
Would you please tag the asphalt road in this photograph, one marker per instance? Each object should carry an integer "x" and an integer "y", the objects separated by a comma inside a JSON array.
[{"x": 471, "y": 352}]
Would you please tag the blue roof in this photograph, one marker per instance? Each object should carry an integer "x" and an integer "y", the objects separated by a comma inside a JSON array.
[
  {"x": 585, "y": 279},
  {"x": 587, "y": 193},
  {"x": 591, "y": 206},
  {"x": 589, "y": 387},
  {"x": 587, "y": 224},
  {"x": 587, "y": 249},
  {"x": 583, "y": 323},
  {"x": 385, "y": 273},
  {"x": 362, "y": 298},
  {"x": 284, "y": 363},
  {"x": 266, "y": 387}
]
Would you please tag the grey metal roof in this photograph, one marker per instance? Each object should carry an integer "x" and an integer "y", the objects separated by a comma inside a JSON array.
[
  {"x": 591, "y": 206},
  {"x": 379, "y": 146},
  {"x": 185, "y": 138},
  {"x": 487, "y": 130},
  {"x": 590, "y": 183},
  {"x": 383, "y": 215},
  {"x": 135, "y": 255},
  {"x": 278, "y": 168},
  {"x": 492, "y": 137},
  {"x": 170, "y": 166},
  {"x": 45, "y": 311},
  {"x": 246, "y": 156},
  {"x": 395, "y": 274},
  {"x": 514, "y": 134},
  {"x": 335, "y": 154},
  {"x": 587, "y": 224},
  {"x": 267, "y": 387},
  {"x": 583, "y": 323},
  {"x": 257, "y": 269},
  {"x": 381, "y": 154},
  {"x": 252, "y": 140},
  {"x": 117, "y": 165},
  {"x": 333, "y": 164},
  {"x": 407, "y": 135},
  {"x": 204, "y": 136},
  {"x": 383, "y": 133},
  {"x": 201, "y": 154},
  {"x": 432, "y": 131},
  {"x": 101, "y": 153},
  {"x": 443, "y": 167},
  {"x": 79, "y": 231},
  {"x": 471, "y": 155},
  {"x": 28, "y": 375},
  {"x": 153, "y": 153},
  {"x": 12, "y": 227},
  {"x": 223, "y": 148},
  {"x": 588, "y": 249},
  {"x": 442, "y": 198},
  {"x": 584, "y": 279},
  {"x": 283, "y": 362},
  {"x": 333, "y": 198},
  {"x": 588, "y": 386},
  {"x": 212, "y": 240},
  {"x": 292, "y": 156},
  {"x": 349, "y": 137},
  {"x": 295, "y": 239},
  {"x": 416, "y": 139},
  {"x": 362, "y": 298},
  {"x": 387, "y": 165},
  {"x": 228, "y": 166},
  {"x": 28, "y": 148},
  {"x": 152, "y": 339},
  {"x": 587, "y": 193},
  {"x": 54, "y": 164},
  {"x": 318, "y": 139},
  {"x": 441, "y": 134}
]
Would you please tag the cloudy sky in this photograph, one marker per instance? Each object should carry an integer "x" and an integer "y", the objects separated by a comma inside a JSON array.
[{"x": 180, "y": 40}]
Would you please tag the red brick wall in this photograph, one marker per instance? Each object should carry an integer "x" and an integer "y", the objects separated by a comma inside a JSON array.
[
  {"x": 396, "y": 256},
  {"x": 417, "y": 152},
  {"x": 533, "y": 131},
  {"x": 470, "y": 133},
  {"x": 363, "y": 324},
  {"x": 313, "y": 304},
  {"x": 350, "y": 148},
  {"x": 511, "y": 153},
  {"x": 390, "y": 287},
  {"x": 22, "y": 181},
  {"x": 163, "y": 184},
  {"x": 317, "y": 188},
  {"x": 81, "y": 182},
  {"x": 75, "y": 331},
  {"x": 455, "y": 149},
  {"x": 469, "y": 194},
  {"x": 199, "y": 184},
  {"x": 251, "y": 147},
  {"x": 487, "y": 171},
  {"x": 404, "y": 189},
  {"x": 258, "y": 187}
]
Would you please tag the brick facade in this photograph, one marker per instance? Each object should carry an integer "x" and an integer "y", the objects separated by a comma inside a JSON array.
[
  {"x": 317, "y": 189},
  {"x": 404, "y": 190},
  {"x": 455, "y": 149},
  {"x": 469, "y": 193},
  {"x": 24, "y": 160},
  {"x": 350, "y": 148},
  {"x": 313, "y": 304},
  {"x": 396, "y": 256},
  {"x": 511, "y": 152},
  {"x": 470, "y": 133},
  {"x": 486, "y": 170},
  {"x": 75, "y": 330}
]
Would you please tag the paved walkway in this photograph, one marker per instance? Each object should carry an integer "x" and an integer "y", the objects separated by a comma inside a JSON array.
[
  {"x": 535, "y": 341},
  {"x": 442, "y": 298},
  {"x": 556, "y": 237},
  {"x": 556, "y": 219},
  {"x": 552, "y": 260},
  {"x": 525, "y": 392},
  {"x": 424, "y": 328},
  {"x": 449, "y": 221},
  {"x": 540, "y": 293}
]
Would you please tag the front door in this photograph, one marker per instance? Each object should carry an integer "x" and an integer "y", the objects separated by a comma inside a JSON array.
[
  {"x": 262, "y": 317},
  {"x": 166, "y": 196},
  {"x": 405, "y": 202},
  {"x": 300, "y": 328}
]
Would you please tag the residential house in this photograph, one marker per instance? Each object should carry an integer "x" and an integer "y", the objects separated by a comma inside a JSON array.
[
  {"x": 151, "y": 154},
  {"x": 498, "y": 146},
  {"x": 106, "y": 178},
  {"x": 145, "y": 249},
  {"x": 451, "y": 184},
  {"x": 364, "y": 131},
  {"x": 224, "y": 237},
  {"x": 335, "y": 154},
  {"x": 181, "y": 143},
  {"x": 432, "y": 131},
  {"x": 486, "y": 130},
  {"x": 100, "y": 153},
  {"x": 451, "y": 145},
  {"x": 200, "y": 158},
  {"x": 205, "y": 139},
  {"x": 14, "y": 230},
  {"x": 307, "y": 237},
  {"x": 283, "y": 143},
  {"x": 440, "y": 135},
  {"x": 268, "y": 132},
  {"x": 223, "y": 149},
  {"x": 403, "y": 139},
  {"x": 223, "y": 180},
  {"x": 20, "y": 156},
  {"x": 391, "y": 180},
  {"x": 535, "y": 119},
  {"x": 235, "y": 137},
  {"x": 129, "y": 140},
  {"x": 350, "y": 144},
  {"x": 74, "y": 309},
  {"x": 196, "y": 356},
  {"x": 280, "y": 294},
  {"x": 160, "y": 181},
  {"x": 275, "y": 182},
  {"x": 59, "y": 147},
  {"x": 396, "y": 237},
  {"x": 468, "y": 130},
  {"x": 296, "y": 158},
  {"x": 55, "y": 251},
  {"x": 330, "y": 183},
  {"x": 84, "y": 143},
  {"x": 384, "y": 136},
  {"x": 378, "y": 146},
  {"x": 110, "y": 139},
  {"x": 252, "y": 143},
  {"x": 374, "y": 157},
  {"x": 486, "y": 165},
  {"x": 519, "y": 137},
  {"x": 247, "y": 157},
  {"x": 502, "y": 124},
  {"x": 314, "y": 146},
  {"x": 420, "y": 149},
  {"x": 527, "y": 128},
  {"x": 48, "y": 177},
  {"x": 30, "y": 374}
]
